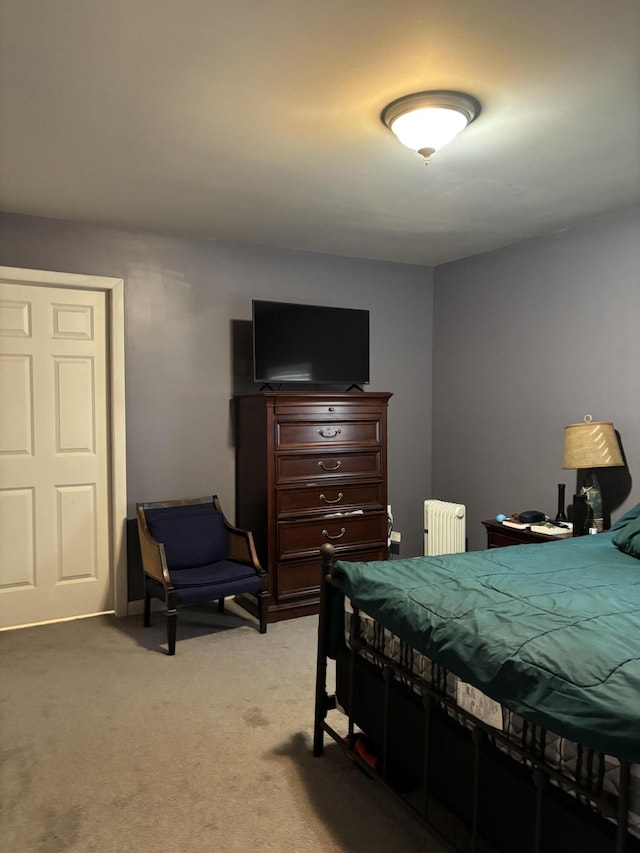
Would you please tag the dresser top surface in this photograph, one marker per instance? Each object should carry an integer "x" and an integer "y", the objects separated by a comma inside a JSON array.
[{"x": 316, "y": 396}]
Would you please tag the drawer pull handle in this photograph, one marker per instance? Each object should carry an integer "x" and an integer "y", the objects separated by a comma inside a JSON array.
[
  {"x": 327, "y": 535},
  {"x": 335, "y": 467},
  {"x": 329, "y": 433},
  {"x": 336, "y": 501}
]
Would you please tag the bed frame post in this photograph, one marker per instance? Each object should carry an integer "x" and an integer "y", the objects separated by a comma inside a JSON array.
[
  {"x": 354, "y": 638},
  {"x": 539, "y": 783},
  {"x": 426, "y": 704},
  {"x": 477, "y": 737},
  {"x": 623, "y": 807},
  {"x": 387, "y": 678},
  {"x": 322, "y": 700}
]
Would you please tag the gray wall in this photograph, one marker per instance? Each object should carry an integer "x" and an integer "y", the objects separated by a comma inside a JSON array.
[
  {"x": 526, "y": 340},
  {"x": 185, "y": 298}
]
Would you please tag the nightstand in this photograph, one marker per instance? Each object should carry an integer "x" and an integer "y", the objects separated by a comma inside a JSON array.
[{"x": 499, "y": 536}]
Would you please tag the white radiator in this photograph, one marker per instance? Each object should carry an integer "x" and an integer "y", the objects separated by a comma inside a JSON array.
[{"x": 444, "y": 528}]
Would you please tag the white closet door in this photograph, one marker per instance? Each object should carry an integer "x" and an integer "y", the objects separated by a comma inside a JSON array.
[{"x": 54, "y": 464}]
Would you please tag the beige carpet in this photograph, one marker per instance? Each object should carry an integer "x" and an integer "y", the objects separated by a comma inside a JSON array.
[{"x": 108, "y": 744}]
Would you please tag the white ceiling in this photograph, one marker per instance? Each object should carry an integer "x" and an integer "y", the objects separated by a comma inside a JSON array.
[{"x": 259, "y": 120}]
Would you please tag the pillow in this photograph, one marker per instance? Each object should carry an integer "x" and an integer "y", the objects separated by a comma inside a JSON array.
[
  {"x": 626, "y": 518},
  {"x": 192, "y": 535},
  {"x": 627, "y": 538}
]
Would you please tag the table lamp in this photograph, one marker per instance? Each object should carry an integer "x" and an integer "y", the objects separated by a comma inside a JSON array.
[{"x": 589, "y": 445}]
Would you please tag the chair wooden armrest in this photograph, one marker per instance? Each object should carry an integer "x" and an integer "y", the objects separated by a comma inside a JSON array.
[
  {"x": 242, "y": 548},
  {"x": 241, "y": 545},
  {"x": 154, "y": 560}
]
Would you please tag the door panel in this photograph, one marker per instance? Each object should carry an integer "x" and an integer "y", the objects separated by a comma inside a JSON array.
[{"x": 54, "y": 473}]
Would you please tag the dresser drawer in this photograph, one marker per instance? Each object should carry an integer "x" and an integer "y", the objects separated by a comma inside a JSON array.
[
  {"x": 499, "y": 540},
  {"x": 355, "y": 404},
  {"x": 297, "y": 578},
  {"x": 292, "y": 434},
  {"x": 312, "y": 467},
  {"x": 329, "y": 497},
  {"x": 297, "y": 538}
]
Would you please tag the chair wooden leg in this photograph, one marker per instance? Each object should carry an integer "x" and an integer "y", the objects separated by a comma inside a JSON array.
[
  {"x": 262, "y": 612},
  {"x": 147, "y": 610},
  {"x": 172, "y": 618},
  {"x": 221, "y": 605}
]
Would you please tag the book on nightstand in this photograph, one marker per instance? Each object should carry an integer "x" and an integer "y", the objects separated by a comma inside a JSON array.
[
  {"x": 517, "y": 525},
  {"x": 550, "y": 529}
]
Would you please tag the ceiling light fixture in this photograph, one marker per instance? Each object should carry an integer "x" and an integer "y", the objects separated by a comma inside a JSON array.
[{"x": 426, "y": 121}]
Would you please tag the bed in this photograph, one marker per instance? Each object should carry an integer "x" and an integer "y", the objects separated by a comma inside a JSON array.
[{"x": 496, "y": 693}]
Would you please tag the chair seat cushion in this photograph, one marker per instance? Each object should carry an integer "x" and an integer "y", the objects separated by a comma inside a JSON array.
[
  {"x": 220, "y": 572},
  {"x": 208, "y": 583}
]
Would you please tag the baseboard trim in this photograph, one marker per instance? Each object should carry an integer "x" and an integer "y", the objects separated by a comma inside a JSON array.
[{"x": 55, "y": 621}]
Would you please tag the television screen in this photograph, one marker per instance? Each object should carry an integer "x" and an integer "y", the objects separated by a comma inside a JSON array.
[{"x": 310, "y": 344}]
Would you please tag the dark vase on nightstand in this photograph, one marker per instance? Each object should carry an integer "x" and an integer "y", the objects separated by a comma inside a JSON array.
[
  {"x": 581, "y": 516},
  {"x": 560, "y": 516}
]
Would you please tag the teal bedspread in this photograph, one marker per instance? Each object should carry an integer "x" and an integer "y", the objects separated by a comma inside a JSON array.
[{"x": 550, "y": 631}]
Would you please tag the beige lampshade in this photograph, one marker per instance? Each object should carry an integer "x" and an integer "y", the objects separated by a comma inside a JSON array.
[{"x": 592, "y": 444}]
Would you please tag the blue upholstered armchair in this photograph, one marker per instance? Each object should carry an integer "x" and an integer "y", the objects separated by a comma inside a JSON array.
[{"x": 191, "y": 553}]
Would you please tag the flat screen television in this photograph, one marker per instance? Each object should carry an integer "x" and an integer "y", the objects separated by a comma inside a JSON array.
[{"x": 314, "y": 344}]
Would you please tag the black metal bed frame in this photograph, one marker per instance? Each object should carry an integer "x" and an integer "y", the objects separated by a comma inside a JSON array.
[{"x": 429, "y": 714}]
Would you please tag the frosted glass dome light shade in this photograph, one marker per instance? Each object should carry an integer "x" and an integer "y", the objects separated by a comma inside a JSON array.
[
  {"x": 426, "y": 121},
  {"x": 431, "y": 127}
]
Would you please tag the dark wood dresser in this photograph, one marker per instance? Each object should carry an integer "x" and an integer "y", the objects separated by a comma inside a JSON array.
[{"x": 310, "y": 468}]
